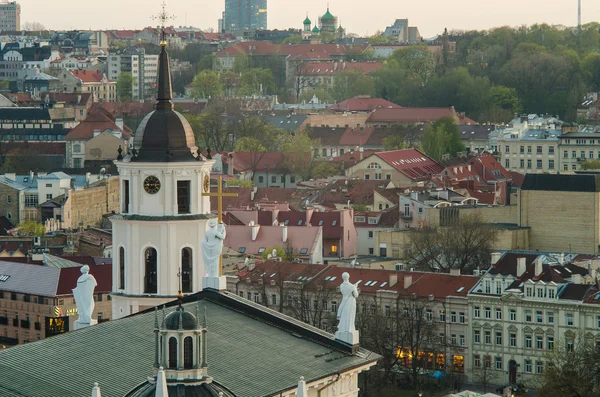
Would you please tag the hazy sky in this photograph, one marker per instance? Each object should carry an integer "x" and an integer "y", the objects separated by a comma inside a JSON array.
[{"x": 363, "y": 17}]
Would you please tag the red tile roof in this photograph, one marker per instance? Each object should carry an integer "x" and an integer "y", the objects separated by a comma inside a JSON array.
[
  {"x": 125, "y": 34},
  {"x": 267, "y": 48},
  {"x": 69, "y": 275},
  {"x": 95, "y": 120},
  {"x": 490, "y": 168},
  {"x": 356, "y": 135},
  {"x": 363, "y": 103},
  {"x": 87, "y": 76},
  {"x": 517, "y": 178},
  {"x": 412, "y": 163},
  {"x": 410, "y": 115},
  {"x": 351, "y": 158}
]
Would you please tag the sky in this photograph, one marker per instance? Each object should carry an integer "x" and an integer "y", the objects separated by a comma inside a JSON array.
[{"x": 361, "y": 17}]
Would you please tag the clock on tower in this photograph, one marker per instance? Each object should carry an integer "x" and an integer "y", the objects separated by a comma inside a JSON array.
[{"x": 151, "y": 184}]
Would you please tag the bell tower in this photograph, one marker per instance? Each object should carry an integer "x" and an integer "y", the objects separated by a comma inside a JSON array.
[{"x": 164, "y": 214}]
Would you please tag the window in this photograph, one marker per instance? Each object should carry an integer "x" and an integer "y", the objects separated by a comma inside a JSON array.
[
  {"x": 507, "y": 163},
  {"x": 172, "y": 352},
  {"x": 570, "y": 319},
  {"x": 498, "y": 338},
  {"x": 476, "y": 312},
  {"x": 513, "y": 315},
  {"x": 488, "y": 312},
  {"x": 76, "y": 163},
  {"x": 477, "y": 361},
  {"x": 598, "y": 321},
  {"x": 538, "y": 164},
  {"x": 498, "y": 363},
  {"x": 125, "y": 208},
  {"x": 292, "y": 179},
  {"x": 550, "y": 149},
  {"x": 453, "y": 339},
  {"x": 528, "y": 316},
  {"x": 370, "y": 234},
  {"x": 539, "y": 367},
  {"x": 261, "y": 179},
  {"x": 522, "y": 163},
  {"x": 462, "y": 340},
  {"x": 539, "y": 316},
  {"x": 429, "y": 315},
  {"x": 550, "y": 343},
  {"x": 186, "y": 270},
  {"x": 188, "y": 353},
  {"x": 540, "y": 292},
  {"x": 488, "y": 337},
  {"x": 183, "y": 197},
  {"x": 150, "y": 276},
  {"x": 76, "y": 148},
  {"x": 452, "y": 317},
  {"x": 442, "y": 316},
  {"x": 257, "y": 297},
  {"x": 538, "y": 149},
  {"x": 566, "y": 154},
  {"x": 241, "y": 250},
  {"x": 551, "y": 164},
  {"x": 529, "y": 291},
  {"x": 513, "y": 340},
  {"x": 9, "y": 199},
  {"x": 371, "y": 251},
  {"x": 527, "y": 341},
  {"x": 550, "y": 318},
  {"x": 334, "y": 307},
  {"x": 49, "y": 196},
  {"x": 551, "y": 293},
  {"x": 522, "y": 149},
  {"x": 121, "y": 268},
  {"x": 506, "y": 149},
  {"x": 499, "y": 289},
  {"x": 477, "y": 336},
  {"x": 528, "y": 366},
  {"x": 488, "y": 361},
  {"x": 539, "y": 342},
  {"x": 574, "y": 154},
  {"x": 334, "y": 249},
  {"x": 498, "y": 314},
  {"x": 528, "y": 149},
  {"x": 461, "y": 318},
  {"x": 487, "y": 286},
  {"x": 528, "y": 163},
  {"x": 273, "y": 179}
]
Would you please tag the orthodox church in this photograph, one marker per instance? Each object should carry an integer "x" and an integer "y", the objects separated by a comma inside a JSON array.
[
  {"x": 327, "y": 23},
  {"x": 177, "y": 331}
]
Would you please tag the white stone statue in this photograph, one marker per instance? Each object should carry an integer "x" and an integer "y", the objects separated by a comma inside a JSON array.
[
  {"x": 84, "y": 296},
  {"x": 212, "y": 246},
  {"x": 274, "y": 253},
  {"x": 347, "y": 312}
]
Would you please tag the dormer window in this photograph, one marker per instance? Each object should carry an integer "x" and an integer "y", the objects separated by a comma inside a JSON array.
[
  {"x": 551, "y": 293},
  {"x": 540, "y": 292},
  {"x": 529, "y": 291}
]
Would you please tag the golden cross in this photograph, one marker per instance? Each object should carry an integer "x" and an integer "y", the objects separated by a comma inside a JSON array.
[
  {"x": 219, "y": 195},
  {"x": 163, "y": 17}
]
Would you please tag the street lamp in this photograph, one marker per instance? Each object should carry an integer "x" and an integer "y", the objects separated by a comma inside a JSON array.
[{"x": 420, "y": 394}]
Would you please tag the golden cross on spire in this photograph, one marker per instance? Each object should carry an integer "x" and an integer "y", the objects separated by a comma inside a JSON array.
[
  {"x": 219, "y": 195},
  {"x": 179, "y": 281},
  {"x": 163, "y": 16}
]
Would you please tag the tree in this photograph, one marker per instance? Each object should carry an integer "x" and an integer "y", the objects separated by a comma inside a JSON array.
[
  {"x": 322, "y": 94},
  {"x": 300, "y": 82},
  {"x": 461, "y": 242},
  {"x": 379, "y": 39},
  {"x": 590, "y": 165},
  {"x": 125, "y": 87},
  {"x": 442, "y": 137},
  {"x": 33, "y": 27},
  {"x": 207, "y": 62},
  {"x": 4, "y": 84},
  {"x": 590, "y": 65},
  {"x": 295, "y": 39},
  {"x": 297, "y": 155},
  {"x": 249, "y": 144},
  {"x": 206, "y": 84},
  {"x": 572, "y": 368},
  {"x": 484, "y": 374},
  {"x": 325, "y": 169},
  {"x": 257, "y": 81},
  {"x": 180, "y": 79},
  {"x": 418, "y": 61},
  {"x": 350, "y": 83},
  {"x": 32, "y": 228},
  {"x": 360, "y": 208},
  {"x": 236, "y": 182}
]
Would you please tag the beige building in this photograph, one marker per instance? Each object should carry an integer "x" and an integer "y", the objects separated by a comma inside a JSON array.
[
  {"x": 30, "y": 311},
  {"x": 102, "y": 89},
  {"x": 535, "y": 151},
  {"x": 578, "y": 147},
  {"x": 10, "y": 16}
]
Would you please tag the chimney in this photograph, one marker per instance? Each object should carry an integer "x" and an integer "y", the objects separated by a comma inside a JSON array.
[
  {"x": 538, "y": 266},
  {"x": 31, "y": 175},
  {"x": 393, "y": 279},
  {"x": 255, "y": 229},
  {"x": 496, "y": 257},
  {"x": 284, "y": 229},
  {"x": 455, "y": 272},
  {"x": 309, "y": 213},
  {"x": 230, "y": 165},
  {"x": 407, "y": 281},
  {"x": 360, "y": 153},
  {"x": 576, "y": 279},
  {"x": 253, "y": 193},
  {"x": 12, "y": 176},
  {"x": 561, "y": 258},
  {"x": 96, "y": 133},
  {"x": 521, "y": 266}
]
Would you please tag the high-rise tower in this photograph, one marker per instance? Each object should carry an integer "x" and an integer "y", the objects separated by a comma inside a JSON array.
[{"x": 245, "y": 14}]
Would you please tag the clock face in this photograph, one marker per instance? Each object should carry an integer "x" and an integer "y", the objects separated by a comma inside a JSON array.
[{"x": 151, "y": 184}]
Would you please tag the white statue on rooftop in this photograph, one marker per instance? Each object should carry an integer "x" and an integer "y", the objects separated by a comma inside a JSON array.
[
  {"x": 347, "y": 312},
  {"x": 212, "y": 246},
  {"x": 84, "y": 297}
]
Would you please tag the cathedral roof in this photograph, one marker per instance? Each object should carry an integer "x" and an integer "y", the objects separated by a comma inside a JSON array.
[
  {"x": 242, "y": 334},
  {"x": 212, "y": 389},
  {"x": 307, "y": 21},
  {"x": 327, "y": 16},
  {"x": 180, "y": 316},
  {"x": 316, "y": 29},
  {"x": 164, "y": 135}
]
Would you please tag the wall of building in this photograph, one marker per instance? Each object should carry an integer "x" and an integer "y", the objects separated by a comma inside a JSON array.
[
  {"x": 386, "y": 173},
  {"x": 9, "y": 203},
  {"x": 88, "y": 205},
  {"x": 561, "y": 221},
  {"x": 496, "y": 214}
]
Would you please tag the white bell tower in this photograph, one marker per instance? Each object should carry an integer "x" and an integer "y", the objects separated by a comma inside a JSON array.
[{"x": 163, "y": 213}]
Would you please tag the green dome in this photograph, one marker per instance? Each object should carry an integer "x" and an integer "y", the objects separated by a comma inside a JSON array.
[
  {"x": 316, "y": 29},
  {"x": 340, "y": 29},
  {"x": 307, "y": 21},
  {"x": 327, "y": 16}
]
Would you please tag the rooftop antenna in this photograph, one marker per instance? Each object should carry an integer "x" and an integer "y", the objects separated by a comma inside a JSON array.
[{"x": 579, "y": 15}]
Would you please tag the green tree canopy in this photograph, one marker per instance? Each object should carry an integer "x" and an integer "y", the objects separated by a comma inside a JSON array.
[
  {"x": 350, "y": 83},
  {"x": 442, "y": 137},
  {"x": 257, "y": 81},
  {"x": 206, "y": 84},
  {"x": 125, "y": 87}
]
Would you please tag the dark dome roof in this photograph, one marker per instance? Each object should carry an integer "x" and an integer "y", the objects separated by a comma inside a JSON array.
[
  {"x": 188, "y": 320},
  {"x": 164, "y": 135},
  {"x": 202, "y": 390}
]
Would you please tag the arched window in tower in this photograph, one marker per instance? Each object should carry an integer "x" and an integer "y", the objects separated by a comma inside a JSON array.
[
  {"x": 150, "y": 279},
  {"x": 186, "y": 270},
  {"x": 188, "y": 353},
  {"x": 121, "y": 268},
  {"x": 172, "y": 352}
]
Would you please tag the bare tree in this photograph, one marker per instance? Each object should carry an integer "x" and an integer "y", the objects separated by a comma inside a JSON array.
[
  {"x": 300, "y": 80},
  {"x": 460, "y": 243},
  {"x": 484, "y": 374},
  {"x": 33, "y": 27}
]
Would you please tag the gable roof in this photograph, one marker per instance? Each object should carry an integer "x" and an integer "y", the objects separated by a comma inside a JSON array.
[
  {"x": 413, "y": 163},
  {"x": 362, "y": 103},
  {"x": 87, "y": 76},
  {"x": 298, "y": 237},
  {"x": 95, "y": 121},
  {"x": 241, "y": 334}
]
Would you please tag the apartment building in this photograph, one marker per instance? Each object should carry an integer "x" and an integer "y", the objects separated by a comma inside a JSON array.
[
  {"x": 143, "y": 68},
  {"x": 34, "y": 311},
  {"x": 578, "y": 147},
  {"x": 533, "y": 151},
  {"x": 524, "y": 305},
  {"x": 10, "y": 16}
]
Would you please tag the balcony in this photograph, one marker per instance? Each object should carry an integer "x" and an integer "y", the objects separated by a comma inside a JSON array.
[{"x": 406, "y": 215}]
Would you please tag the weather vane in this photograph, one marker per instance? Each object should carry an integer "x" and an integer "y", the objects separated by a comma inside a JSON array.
[{"x": 163, "y": 17}]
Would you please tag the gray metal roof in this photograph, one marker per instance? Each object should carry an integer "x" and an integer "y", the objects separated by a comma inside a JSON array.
[
  {"x": 252, "y": 351},
  {"x": 29, "y": 279},
  {"x": 14, "y": 184}
]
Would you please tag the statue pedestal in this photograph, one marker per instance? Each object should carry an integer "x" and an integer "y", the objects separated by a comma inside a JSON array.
[
  {"x": 350, "y": 338},
  {"x": 218, "y": 283},
  {"x": 77, "y": 325}
]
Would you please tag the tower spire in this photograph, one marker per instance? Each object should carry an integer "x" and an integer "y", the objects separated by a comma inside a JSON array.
[{"x": 165, "y": 92}]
